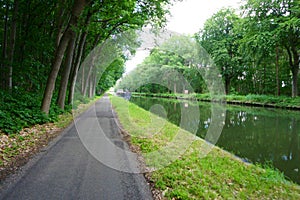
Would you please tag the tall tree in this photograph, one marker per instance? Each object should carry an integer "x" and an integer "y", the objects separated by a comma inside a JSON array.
[
  {"x": 77, "y": 59},
  {"x": 107, "y": 19},
  {"x": 170, "y": 67},
  {"x": 280, "y": 18},
  {"x": 77, "y": 9},
  {"x": 6, "y": 8},
  {"x": 12, "y": 43},
  {"x": 66, "y": 72},
  {"x": 219, "y": 38}
]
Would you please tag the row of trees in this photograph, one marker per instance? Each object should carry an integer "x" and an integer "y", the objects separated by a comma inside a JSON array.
[
  {"x": 256, "y": 52},
  {"x": 45, "y": 42},
  {"x": 171, "y": 67}
]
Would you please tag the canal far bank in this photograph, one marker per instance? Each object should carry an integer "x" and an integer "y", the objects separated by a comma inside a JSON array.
[
  {"x": 194, "y": 175},
  {"x": 282, "y": 102}
]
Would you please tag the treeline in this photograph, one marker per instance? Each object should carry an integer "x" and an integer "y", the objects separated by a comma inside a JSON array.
[
  {"x": 45, "y": 45},
  {"x": 256, "y": 52}
]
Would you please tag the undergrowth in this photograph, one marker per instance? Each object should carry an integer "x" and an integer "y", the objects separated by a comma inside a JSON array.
[{"x": 21, "y": 109}]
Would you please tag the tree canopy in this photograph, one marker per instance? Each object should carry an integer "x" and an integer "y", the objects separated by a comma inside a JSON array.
[
  {"x": 44, "y": 45},
  {"x": 256, "y": 50}
]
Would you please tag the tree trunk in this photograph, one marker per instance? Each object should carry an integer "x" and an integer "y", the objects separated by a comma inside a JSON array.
[
  {"x": 4, "y": 50},
  {"x": 175, "y": 88},
  {"x": 91, "y": 66},
  {"x": 227, "y": 85},
  {"x": 277, "y": 72},
  {"x": 12, "y": 44},
  {"x": 95, "y": 52},
  {"x": 75, "y": 67},
  {"x": 78, "y": 62},
  {"x": 60, "y": 30},
  {"x": 91, "y": 86},
  {"x": 54, "y": 72},
  {"x": 294, "y": 61},
  {"x": 88, "y": 77},
  {"x": 264, "y": 81},
  {"x": 78, "y": 7},
  {"x": 26, "y": 18},
  {"x": 295, "y": 73},
  {"x": 62, "y": 18},
  {"x": 66, "y": 73},
  {"x": 95, "y": 83}
]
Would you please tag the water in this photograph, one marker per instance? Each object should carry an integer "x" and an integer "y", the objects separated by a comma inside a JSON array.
[{"x": 257, "y": 135}]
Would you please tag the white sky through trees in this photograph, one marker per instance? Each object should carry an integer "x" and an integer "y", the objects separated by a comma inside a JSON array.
[{"x": 187, "y": 17}]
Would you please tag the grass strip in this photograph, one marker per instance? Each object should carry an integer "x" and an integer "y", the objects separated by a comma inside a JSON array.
[{"x": 195, "y": 175}]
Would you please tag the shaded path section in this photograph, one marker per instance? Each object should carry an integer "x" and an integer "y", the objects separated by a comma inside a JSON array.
[{"x": 66, "y": 170}]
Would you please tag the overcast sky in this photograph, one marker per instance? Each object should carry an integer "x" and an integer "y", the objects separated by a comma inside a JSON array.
[{"x": 187, "y": 17}]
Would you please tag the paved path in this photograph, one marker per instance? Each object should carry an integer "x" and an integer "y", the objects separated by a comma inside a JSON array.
[{"x": 66, "y": 170}]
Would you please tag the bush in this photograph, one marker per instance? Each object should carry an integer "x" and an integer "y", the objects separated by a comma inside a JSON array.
[{"x": 22, "y": 109}]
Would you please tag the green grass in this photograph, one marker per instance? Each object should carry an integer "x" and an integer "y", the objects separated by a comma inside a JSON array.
[{"x": 193, "y": 174}]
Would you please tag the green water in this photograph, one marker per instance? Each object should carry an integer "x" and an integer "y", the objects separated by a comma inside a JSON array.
[{"x": 257, "y": 135}]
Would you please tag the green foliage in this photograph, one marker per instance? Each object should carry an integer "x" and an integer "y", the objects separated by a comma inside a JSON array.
[
  {"x": 22, "y": 110},
  {"x": 110, "y": 76},
  {"x": 29, "y": 46},
  {"x": 219, "y": 38},
  {"x": 271, "y": 40},
  {"x": 256, "y": 52},
  {"x": 34, "y": 42},
  {"x": 172, "y": 67}
]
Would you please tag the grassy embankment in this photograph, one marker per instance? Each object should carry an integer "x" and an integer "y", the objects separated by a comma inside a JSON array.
[
  {"x": 251, "y": 99},
  {"x": 18, "y": 146},
  {"x": 218, "y": 175}
]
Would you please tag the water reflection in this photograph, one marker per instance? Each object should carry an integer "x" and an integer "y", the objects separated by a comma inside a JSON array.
[{"x": 255, "y": 134}]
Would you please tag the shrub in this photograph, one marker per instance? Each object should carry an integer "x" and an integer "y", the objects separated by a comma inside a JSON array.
[{"x": 22, "y": 109}]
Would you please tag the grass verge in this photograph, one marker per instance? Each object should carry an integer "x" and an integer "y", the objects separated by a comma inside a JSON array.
[{"x": 218, "y": 175}]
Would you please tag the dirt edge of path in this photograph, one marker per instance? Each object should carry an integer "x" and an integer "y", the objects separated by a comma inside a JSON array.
[{"x": 28, "y": 143}]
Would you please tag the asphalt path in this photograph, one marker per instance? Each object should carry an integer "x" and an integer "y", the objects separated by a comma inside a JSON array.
[{"x": 66, "y": 169}]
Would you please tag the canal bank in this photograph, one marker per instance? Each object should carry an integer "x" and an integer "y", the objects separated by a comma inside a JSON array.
[
  {"x": 266, "y": 136},
  {"x": 194, "y": 175},
  {"x": 281, "y": 102}
]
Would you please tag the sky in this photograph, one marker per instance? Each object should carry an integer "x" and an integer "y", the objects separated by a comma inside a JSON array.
[{"x": 187, "y": 17}]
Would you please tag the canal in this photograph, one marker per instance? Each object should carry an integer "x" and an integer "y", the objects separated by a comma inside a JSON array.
[{"x": 257, "y": 135}]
